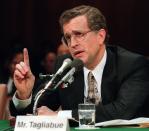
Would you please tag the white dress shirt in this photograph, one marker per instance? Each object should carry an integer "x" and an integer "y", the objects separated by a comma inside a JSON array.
[{"x": 97, "y": 72}]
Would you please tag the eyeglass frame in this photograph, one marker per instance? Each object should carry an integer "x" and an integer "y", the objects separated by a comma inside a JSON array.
[{"x": 82, "y": 35}]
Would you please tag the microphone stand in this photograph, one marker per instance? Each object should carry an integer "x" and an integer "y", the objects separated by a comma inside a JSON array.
[
  {"x": 77, "y": 64},
  {"x": 66, "y": 78},
  {"x": 39, "y": 94}
]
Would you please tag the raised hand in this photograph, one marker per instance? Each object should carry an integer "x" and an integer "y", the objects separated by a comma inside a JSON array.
[{"x": 23, "y": 77}]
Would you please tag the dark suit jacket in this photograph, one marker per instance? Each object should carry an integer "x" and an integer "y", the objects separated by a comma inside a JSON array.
[{"x": 124, "y": 88}]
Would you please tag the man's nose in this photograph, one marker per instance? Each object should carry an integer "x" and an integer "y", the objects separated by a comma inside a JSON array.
[{"x": 73, "y": 42}]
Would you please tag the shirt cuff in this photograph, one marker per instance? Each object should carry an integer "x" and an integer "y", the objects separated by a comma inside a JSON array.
[
  {"x": 21, "y": 104},
  {"x": 65, "y": 114}
]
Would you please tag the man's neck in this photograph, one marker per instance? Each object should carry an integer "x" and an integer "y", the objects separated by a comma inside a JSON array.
[{"x": 98, "y": 58}]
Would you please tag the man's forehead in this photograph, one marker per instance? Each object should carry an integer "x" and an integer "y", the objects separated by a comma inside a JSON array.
[{"x": 78, "y": 23}]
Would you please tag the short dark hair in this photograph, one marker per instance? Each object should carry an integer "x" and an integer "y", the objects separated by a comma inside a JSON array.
[{"x": 95, "y": 18}]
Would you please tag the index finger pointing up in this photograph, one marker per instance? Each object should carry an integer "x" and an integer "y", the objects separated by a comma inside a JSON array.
[{"x": 26, "y": 57}]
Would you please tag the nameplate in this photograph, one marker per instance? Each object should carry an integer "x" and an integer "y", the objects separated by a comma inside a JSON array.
[{"x": 42, "y": 123}]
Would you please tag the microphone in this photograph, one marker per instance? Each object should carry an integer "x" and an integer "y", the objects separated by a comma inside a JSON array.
[
  {"x": 76, "y": 66},
  {"x": 66, "y": 64}
]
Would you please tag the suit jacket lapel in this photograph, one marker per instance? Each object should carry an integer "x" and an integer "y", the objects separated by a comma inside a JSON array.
[
  {"x": 74, "y": 94},
  {"x": 78, "y": 87},
  {"x": 109, "y": 83}
]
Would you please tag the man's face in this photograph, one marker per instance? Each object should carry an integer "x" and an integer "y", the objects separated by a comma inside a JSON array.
[{"x": 83, "y": 43}]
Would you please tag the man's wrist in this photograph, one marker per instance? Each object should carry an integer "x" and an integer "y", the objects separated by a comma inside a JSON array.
[
  {"x": 21, "y": 104},
  {"x": 22, "y": 96}
]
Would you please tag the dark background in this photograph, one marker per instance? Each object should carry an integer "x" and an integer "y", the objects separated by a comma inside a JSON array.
[{"x": 34, "y": 24}]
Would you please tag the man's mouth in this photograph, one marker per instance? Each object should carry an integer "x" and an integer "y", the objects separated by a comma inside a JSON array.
[{"x": 77, "y": 53}]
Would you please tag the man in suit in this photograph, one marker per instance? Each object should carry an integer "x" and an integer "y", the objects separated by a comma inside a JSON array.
[{"x": 122, "y": 82}]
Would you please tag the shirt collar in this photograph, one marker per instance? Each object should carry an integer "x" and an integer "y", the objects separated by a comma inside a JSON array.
[{"x": 98, "y": 70}]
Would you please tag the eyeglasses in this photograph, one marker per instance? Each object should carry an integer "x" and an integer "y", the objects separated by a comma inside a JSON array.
[{"x": 78, "y": 36}]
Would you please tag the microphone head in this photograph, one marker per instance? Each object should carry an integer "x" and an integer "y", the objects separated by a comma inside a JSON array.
[
  {"x": 77, "y": 64},
  {"x": 66, "y": 64},
  {"x": 68, "y": 61}
]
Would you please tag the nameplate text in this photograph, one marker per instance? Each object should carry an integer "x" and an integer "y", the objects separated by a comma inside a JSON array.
[{"x": 42, "y": 123}]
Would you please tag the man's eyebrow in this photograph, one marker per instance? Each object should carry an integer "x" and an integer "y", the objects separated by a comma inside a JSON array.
[
  {"x": 74, "y": 31},
  {"x": 77, "y": 31}
]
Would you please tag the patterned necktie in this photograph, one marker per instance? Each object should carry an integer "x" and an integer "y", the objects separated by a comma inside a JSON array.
[{"x": 93, "y": 96}]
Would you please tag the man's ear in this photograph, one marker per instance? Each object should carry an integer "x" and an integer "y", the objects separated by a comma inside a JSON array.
[{"x": 101, "y": 36}]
